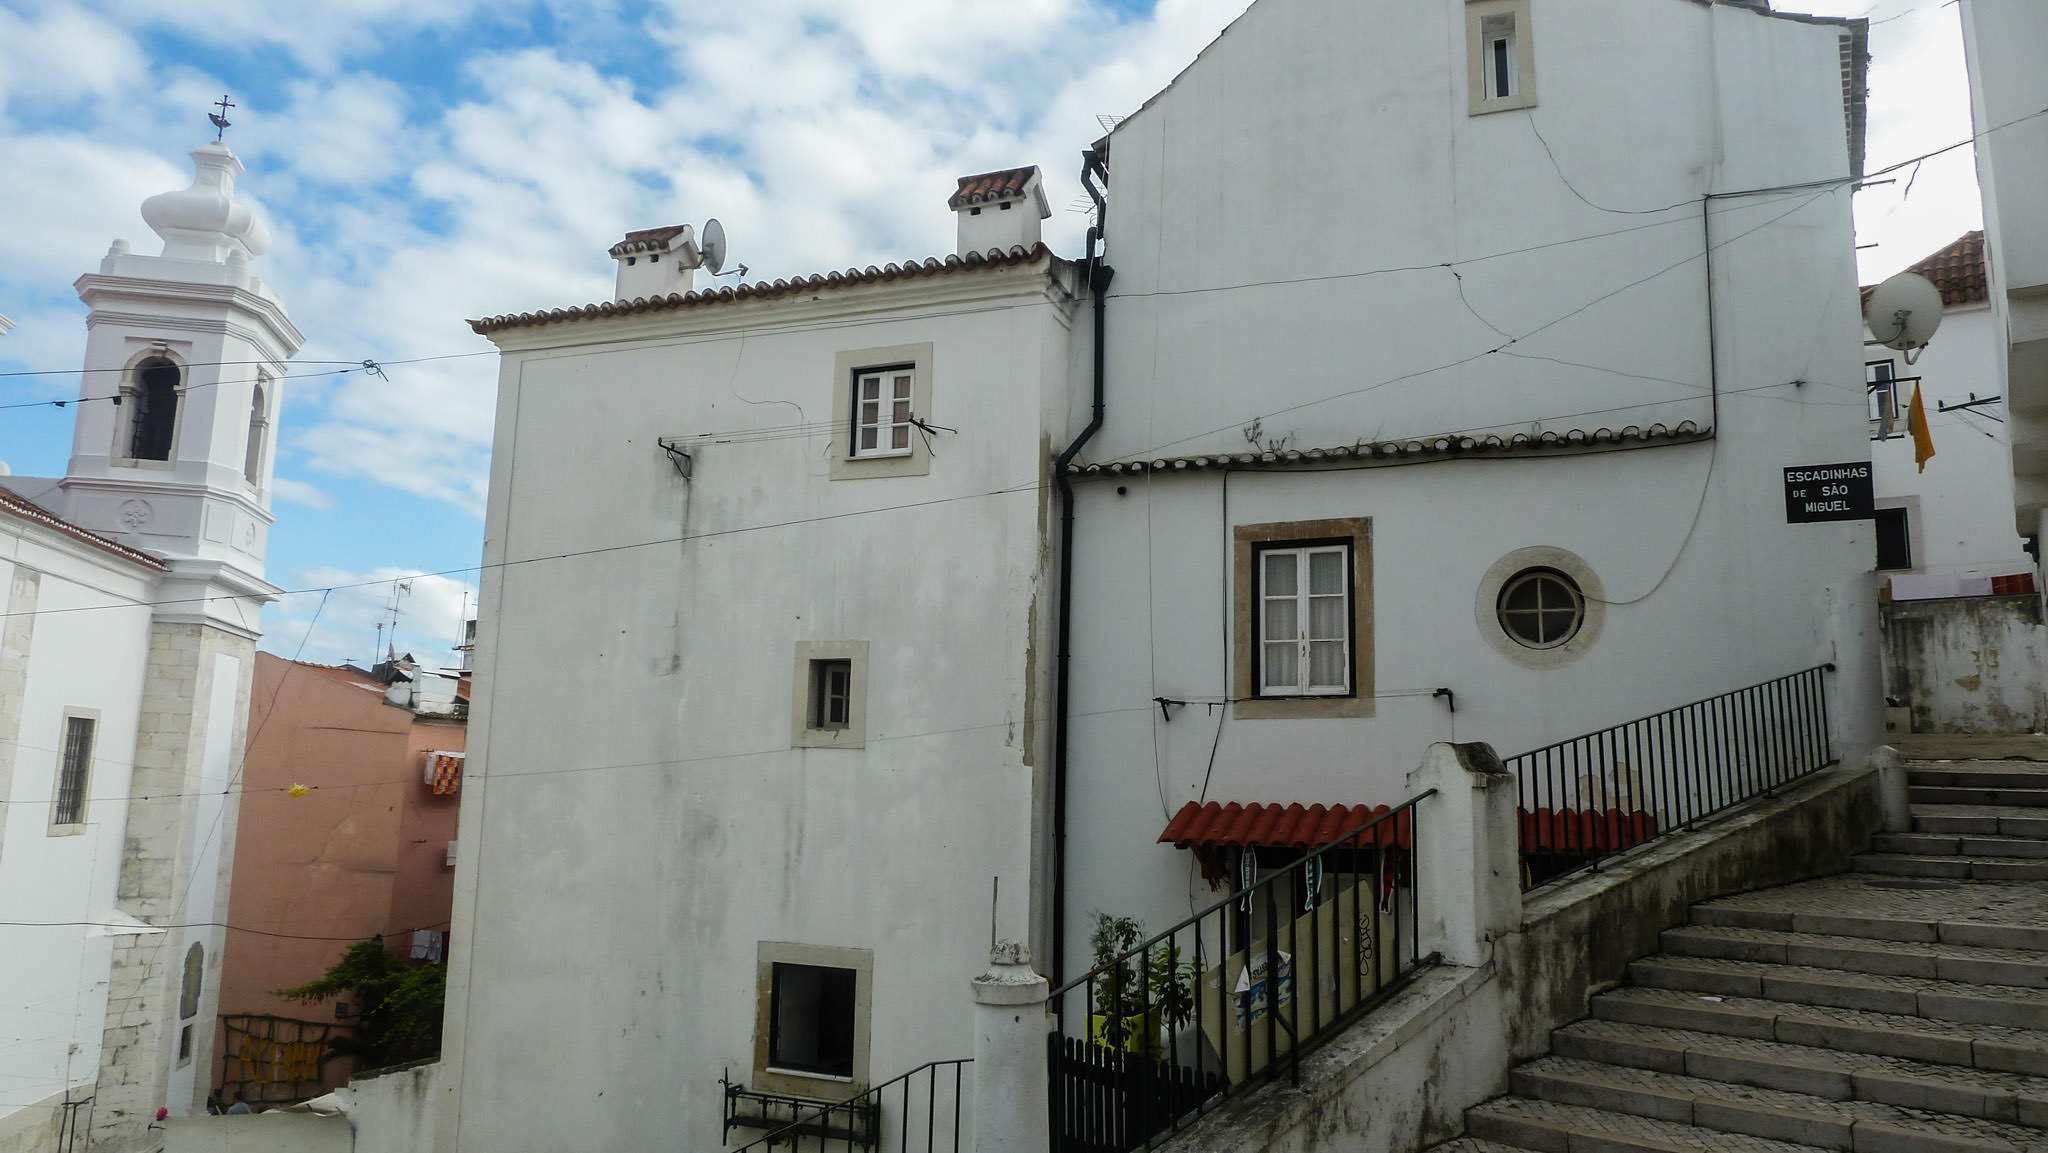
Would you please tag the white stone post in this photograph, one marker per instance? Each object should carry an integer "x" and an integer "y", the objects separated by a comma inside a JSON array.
[
  {"x": 1892, "y": 795},
  {"x": 1468, "y": 866},
  {"x": 1012, "y": 1086}
]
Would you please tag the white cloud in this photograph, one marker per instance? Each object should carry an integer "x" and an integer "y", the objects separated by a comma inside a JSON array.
[{"x": 299, "y": 492}]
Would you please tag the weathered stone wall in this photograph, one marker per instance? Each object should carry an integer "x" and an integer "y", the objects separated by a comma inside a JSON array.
[
  {"x": 35, "y": 1129},
  {"x": 1969, "y": 664},
  {"x": 161, "y": 883}
]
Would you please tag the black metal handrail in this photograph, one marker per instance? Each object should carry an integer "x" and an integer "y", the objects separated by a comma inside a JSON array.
[
  {"x": 1163, "y": 1030},
  {"x": 1585, "y": 799},
  {"x": 859, "y": 1122}
]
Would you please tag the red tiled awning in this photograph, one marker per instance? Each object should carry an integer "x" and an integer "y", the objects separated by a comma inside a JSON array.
[
  {"x": 1215, "y": 826},
  {"x": 1584, "y": 832}
]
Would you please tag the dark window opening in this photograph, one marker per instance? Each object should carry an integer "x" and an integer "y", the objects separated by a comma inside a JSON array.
[
  {"x": 831, "y": 694},
  {"x": 811, "y": 1020},
  {"x": 1894, "y": 540},
  {"x": 185, "y": 1044},
  {"x": 1501, "y": 48},
  {"x": 195, "y": 973},
  {"x": 77, "y": 768},
  {"x": 155, "y": 411}
]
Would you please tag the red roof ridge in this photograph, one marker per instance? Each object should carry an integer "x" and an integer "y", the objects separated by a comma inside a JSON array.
[
  {"x": 28, "y": 510},
  {"x": 932, "y": 266},
  {"x": 1957, "y": 269}
]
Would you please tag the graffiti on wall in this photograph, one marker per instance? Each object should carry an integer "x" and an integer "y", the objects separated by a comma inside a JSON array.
[{"x": 274, "y": 1058}]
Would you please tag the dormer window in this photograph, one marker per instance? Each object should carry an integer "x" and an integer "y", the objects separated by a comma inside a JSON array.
[
  {"x": 152, "y": 400},
  {"x": 259, "y": 428}
]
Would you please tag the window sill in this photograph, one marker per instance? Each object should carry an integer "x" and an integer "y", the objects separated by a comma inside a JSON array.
[
  {"x": 1277, "y": 708},
  {"x": 76, "y": 830},
  {"x": 807, "y": 1075}
]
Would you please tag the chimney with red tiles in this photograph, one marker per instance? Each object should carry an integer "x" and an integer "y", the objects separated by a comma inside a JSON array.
[
  {"x": 999, "y": 210},
  {"x": 656, "y": 262}
]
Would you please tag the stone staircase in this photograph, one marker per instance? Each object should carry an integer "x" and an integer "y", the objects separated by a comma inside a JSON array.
[{"x": 1898, "y": 1008}]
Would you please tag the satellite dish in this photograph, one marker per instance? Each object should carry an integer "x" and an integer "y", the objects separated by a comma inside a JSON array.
[
  {"x": 1903, "y": 313},
  {"x": 711, "y": 245}
]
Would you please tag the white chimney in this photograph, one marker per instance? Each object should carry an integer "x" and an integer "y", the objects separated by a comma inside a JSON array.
[
  {"x": 999, "y": 210},
  {"x": 656, "y": 262}
]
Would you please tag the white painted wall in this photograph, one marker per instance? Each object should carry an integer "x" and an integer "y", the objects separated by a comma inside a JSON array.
[
  {"x": 53, "y": 992},
  {"x": 1332, "y": 144},
  {"x": 635, "y": 820},
  {"x": 1959, "y": 510}
]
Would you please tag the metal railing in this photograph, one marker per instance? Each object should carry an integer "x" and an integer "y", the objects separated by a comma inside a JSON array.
[
  {"x": 1163, "y": 1030},
  {"x": 927, "y": 1115},
  {"x": 1590, "y": 797}
]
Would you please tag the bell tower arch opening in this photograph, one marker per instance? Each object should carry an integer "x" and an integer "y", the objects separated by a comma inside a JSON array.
[{"x": 150, "y": 398}]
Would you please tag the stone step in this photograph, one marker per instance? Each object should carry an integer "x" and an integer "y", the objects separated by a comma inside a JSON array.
[
  {"x": 1758, "y": 1111},
  {"x": 1967, "y": 795},
  {"x": 1925, "y": 844},
  {"x": 1982, "y": 966},
  {"x": 1996, "y": 1048},
  {"x": 1980, "y": 820},
  {"x": 1957, "y": 868},
  {"x": 1923, "y": 916},
  {"x": 1474, "y": 1145},
  {"x": 1980, "y": 775},
  {"x": 1878, "y": 993},
  {"x": 1836, "y": 1074},
  {"x": 1554, "y": 1127}
]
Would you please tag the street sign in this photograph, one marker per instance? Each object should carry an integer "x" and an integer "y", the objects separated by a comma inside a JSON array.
[{"x": 1817, "y": 492}]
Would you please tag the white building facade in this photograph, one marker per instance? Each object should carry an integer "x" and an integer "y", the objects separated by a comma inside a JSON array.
[
  {"x": 1477, "y": 430},
  {"x": 134, "y": 586},
  {"x": 758, "y": 740},
  {"x": 1946, "y": 529}
]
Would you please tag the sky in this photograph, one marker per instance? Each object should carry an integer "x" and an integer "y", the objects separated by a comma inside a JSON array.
[{"x": 422, "y": 162}]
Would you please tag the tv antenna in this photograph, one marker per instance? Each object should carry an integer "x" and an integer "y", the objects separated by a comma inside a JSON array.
[{"x": 221, "y": 123}]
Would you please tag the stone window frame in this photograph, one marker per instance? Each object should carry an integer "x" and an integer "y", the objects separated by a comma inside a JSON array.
[
  {"x": 851, "y": 363},
  {"x": 124, "y": 427},
  {"x": 1486, "y": 606},
  {"x": 1247, "y": 540},
  {"x": 74, "y": 828},
  {"x": 768, "y": 954},
  {"x": 803, "y": 733},
  {"x": 1477, "y": 14}
]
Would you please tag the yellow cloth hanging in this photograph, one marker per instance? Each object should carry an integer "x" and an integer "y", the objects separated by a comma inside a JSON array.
[{"x": 1923, "y": 441}]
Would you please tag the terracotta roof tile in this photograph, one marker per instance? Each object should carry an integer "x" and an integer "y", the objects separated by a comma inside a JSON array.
[
  {"x": 1006, "y": 184},
  {"x": 645, "y": 239},
  {"x": 21, "y": 507},
  {"x": 1957, "y": 270},
  {"x": 1214, "y": 825},
  {"x": 910, "y": 270},
  {"x": 1397, "y": 451}
]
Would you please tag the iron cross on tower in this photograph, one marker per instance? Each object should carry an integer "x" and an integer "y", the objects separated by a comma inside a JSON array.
[{"x": 220, "y": 119}]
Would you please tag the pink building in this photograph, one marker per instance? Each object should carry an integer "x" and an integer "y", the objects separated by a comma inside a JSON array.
[{"x": 348, "y": 811}]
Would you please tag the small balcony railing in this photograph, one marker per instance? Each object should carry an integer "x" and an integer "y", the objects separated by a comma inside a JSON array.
[
  {"x": 917, "y": 1112},
  {"x": 1164, "y": 1031},
  {"x": 1590, "y": 797}
]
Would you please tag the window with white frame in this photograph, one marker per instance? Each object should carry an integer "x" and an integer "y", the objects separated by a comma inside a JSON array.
[
  {"x": 882, "y": 411},
  {"x": 1497, "y": 43},
  {"x": 1305, "y": 620},
  {"x": 74, "y": 772},
  {"x": 828, "y": 706}
]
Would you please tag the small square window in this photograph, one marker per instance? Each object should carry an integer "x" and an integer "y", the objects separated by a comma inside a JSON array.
[
  {"x": 882, "y": 395},
  {"x": 1301, "y": 595},
  {"x": 811, "y": 1020},
  {"x": 831, "y": 694},
  {"x": 881, "y": 412}
]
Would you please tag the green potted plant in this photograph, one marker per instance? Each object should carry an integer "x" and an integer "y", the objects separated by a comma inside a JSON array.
[{"x": 1134, "y": 995}]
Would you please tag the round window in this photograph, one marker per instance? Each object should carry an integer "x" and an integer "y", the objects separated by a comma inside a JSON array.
[{"x": 1541, "y": 608}]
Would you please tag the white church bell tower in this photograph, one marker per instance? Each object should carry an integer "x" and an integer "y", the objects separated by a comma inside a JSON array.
[{"x": 184, "y": 372}]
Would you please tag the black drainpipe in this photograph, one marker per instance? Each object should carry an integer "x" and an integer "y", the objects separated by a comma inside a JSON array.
[{"x": 1092, "y": 171}]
